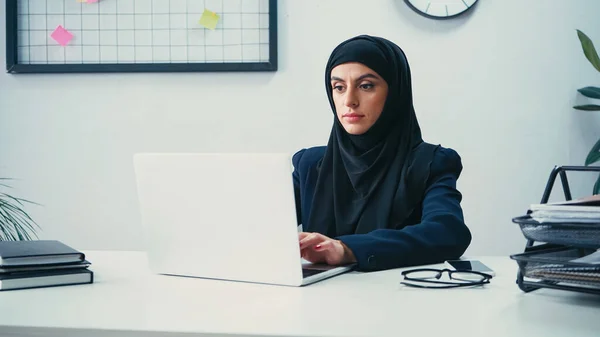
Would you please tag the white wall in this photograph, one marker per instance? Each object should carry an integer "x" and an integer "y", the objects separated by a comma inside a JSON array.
[{"x": 496, "y": 85}]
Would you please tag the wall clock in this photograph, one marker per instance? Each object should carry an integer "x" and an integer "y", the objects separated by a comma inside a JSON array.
[{"x": 441, "y": 9}]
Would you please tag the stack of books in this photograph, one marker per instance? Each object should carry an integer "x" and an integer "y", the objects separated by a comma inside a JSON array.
[{"x": 41, "y": 263}]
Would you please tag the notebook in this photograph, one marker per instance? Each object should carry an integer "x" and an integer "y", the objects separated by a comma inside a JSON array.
[
  {"x": 37, "y": 252},
  {"x": 49, "y": 278}
]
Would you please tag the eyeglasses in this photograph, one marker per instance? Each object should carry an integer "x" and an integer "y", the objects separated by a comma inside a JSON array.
[{"x": 431, "y": 278}]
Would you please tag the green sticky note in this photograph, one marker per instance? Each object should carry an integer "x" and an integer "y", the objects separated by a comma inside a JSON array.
[{"x": 209, "y": 19}]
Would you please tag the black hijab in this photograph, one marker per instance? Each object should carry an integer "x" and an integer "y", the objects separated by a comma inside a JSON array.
[{"x": 376, "y": 179}]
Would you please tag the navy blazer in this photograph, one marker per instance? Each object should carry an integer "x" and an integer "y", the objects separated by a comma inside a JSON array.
[{"x": 433, "y": 233}]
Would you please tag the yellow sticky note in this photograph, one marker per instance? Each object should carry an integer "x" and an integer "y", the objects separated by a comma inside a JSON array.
[{"x": 209, "y": 19}]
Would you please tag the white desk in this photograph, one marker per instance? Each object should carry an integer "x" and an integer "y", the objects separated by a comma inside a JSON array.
[{"x": 126, "y": 300}]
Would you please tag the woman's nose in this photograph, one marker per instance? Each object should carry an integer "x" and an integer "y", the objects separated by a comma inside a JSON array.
[{"x": 351, "y": 100}]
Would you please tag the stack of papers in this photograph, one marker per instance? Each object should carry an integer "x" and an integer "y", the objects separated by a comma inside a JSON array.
[
  {"x": 584, "y": 210},
  {"x": 593, "y": 258}
]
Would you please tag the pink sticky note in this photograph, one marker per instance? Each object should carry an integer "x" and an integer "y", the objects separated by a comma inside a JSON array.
[
  {"x": 91, "y": 1},
  {"x": 61, "y": 35}
]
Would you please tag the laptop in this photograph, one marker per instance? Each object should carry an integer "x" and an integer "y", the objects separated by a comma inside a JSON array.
[{"x": 225, "y": 216}]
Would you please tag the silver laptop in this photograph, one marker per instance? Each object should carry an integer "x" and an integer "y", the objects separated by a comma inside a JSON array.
[{"x": 223, "y": 216}]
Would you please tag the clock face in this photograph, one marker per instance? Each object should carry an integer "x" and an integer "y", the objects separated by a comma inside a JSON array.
[{"x": 440, "y": 9}]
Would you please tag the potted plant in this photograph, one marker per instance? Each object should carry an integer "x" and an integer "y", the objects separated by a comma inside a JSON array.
[
  {"x": 592, "y": 92},
  {"x": 15, "y": 223}
]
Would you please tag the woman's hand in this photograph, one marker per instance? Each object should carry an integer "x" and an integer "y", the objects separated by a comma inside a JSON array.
[{"x": 318, "y": 248}]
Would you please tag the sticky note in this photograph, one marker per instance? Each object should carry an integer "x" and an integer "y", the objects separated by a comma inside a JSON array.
[
  {"x": 209, "y": 19},
  {"x": 92, "y": 1},
  {"x": 61, "y": 35}
]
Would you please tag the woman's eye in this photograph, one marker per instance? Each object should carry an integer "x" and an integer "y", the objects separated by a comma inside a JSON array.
[
  {"x": 366, "y": 86},
  {"x": 338, "y": 88}
]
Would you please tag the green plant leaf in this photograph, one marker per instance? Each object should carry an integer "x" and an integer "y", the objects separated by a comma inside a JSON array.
[
  {"x": 597, "y": 186},
  {"x": 11, "y": 198},
  {"x": 16, "y": 228},
  {"x": 15, "y": 223},
  {"x": 591, "y": 92},
  {"x": 24, "y": 220},
  {"x": 17, "y": 200},
  {"x": 5, "y": 226},
  {"x": 594, "y": 154},
  {"x": 587, "y": 107},
  {"x": 589, "y": 50}
]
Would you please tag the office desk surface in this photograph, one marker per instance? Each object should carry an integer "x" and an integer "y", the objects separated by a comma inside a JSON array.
[{"x": 127, "y": 300}]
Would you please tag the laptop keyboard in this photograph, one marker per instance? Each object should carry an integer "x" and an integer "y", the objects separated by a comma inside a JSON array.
[{"x": 310, "y": 272}]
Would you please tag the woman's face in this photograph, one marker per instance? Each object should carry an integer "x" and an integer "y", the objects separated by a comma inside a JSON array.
[{"x": 359, "y": 94}]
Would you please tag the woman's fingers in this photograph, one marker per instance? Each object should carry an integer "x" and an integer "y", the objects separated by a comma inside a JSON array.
[
  {"x": 326, "y": 245},
  {"x": 312, "y": 239},
  {"x": 318, "y": 248},
  {"x": 302, "y": 235}
]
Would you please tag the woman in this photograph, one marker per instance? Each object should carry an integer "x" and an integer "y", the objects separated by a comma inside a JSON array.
[{"x": 377, "y": 195}]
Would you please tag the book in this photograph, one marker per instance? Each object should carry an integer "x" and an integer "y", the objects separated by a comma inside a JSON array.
[
  {"x": 50, "y": 278},
  {"x": 38, "y": 267},
  {"x": 37, "y": 252}
]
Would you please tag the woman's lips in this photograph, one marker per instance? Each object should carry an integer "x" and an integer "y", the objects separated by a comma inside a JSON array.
[{"x": 352, "y": 117}]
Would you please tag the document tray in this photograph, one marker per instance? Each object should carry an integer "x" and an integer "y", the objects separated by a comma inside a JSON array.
[
  {"x": 556, "y": 265},
  {"x": 585, "y": 235}
]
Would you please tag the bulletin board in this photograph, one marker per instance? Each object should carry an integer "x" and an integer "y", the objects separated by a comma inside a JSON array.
[{"x": 79, "y": 36}]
